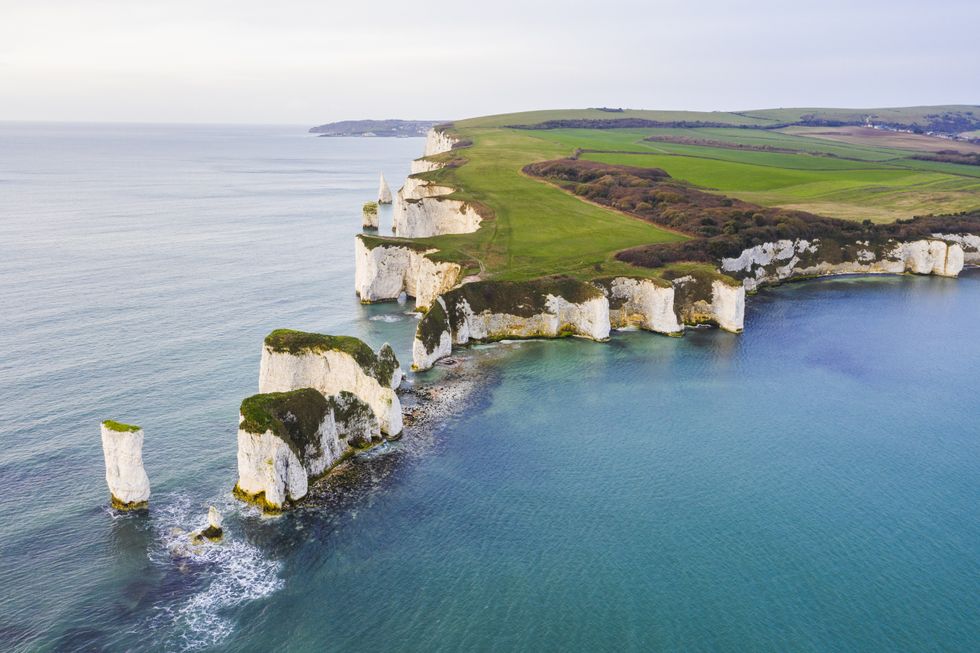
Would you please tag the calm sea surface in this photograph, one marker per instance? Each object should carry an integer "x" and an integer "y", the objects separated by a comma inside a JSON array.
[{"x": 810, "y": 485}]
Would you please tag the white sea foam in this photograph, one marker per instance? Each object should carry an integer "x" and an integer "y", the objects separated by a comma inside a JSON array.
[
  {"x": 223, "y": 575},
  {"x": 387, "y": 317}
]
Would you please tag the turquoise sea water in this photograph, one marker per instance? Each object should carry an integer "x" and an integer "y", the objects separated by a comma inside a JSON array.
[{"x": 810, "y": 485}]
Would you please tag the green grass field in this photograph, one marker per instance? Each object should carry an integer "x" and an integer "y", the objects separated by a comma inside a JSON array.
[{"x": 538, "y": 229}]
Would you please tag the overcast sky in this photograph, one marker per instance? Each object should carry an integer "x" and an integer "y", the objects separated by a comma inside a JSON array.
[{"x": 293, "y": 61}]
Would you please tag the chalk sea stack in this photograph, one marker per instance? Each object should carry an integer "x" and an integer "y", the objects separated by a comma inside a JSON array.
[
  {"x": 384, "y": 193},
  {"x": 286, "y": 440},
  {"x": 369, "y": 215},
  {"x": 292, "y": 360},
  {"x": 122, "y": 446}
]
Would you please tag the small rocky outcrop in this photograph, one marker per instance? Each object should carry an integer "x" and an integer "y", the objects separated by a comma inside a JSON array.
[
  {"x": 369, "y": 215},
  {"x": 286, "y": 440},
  {"x": 213, "y": 531},
  {"x": 384, "y": 193},
  {"x": 383, "y": 271},
  {"x": 334, "y": 364},
  {"x": 484, "y": 311},
  {"x": 122, "y": 447}
]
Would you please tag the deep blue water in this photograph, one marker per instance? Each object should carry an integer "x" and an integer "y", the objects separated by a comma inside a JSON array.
[{"x": 810, "y": 485}]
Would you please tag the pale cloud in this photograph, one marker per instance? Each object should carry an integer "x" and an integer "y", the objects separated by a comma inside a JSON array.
[{"x": 308, "y": 62}]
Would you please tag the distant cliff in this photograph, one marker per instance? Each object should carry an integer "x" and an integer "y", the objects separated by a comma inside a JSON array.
[{"x": 389, "y": 128}]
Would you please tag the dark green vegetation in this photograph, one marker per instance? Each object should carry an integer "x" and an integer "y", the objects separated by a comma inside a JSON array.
[
  {"x": 380, "y": 366},
  {"x": 723, "y": 227},
  {"x": 295, "y": 417},
  {"x": 401, "y": 128},
  {"x": 370, "y": 207},
  {"x": 944, "y": 120},
  {"x": 951, "y": 156},
  {"x": 120, "y": 427}
]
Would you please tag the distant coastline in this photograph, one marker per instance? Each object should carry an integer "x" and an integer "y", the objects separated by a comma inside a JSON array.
[{"x": 376, "y": 128}]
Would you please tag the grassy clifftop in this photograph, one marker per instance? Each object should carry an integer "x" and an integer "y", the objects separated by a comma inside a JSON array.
[
  {"x": 821, "y": 161},
  {"x": 379, "y": 365}
]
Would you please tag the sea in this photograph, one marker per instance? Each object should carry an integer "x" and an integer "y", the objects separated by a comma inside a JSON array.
[{"x": 812, "y": 484}]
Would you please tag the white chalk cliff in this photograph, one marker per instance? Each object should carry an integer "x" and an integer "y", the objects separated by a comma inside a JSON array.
[
  {"x": 384, "y": 193},
  {"x": 383, "y": 272},
  {"x": 453, "y": 321},
  {"x": 969, "y": 243},
  {"x": 539, "y": 309},
  {"x": 710, "y": 301},
  {"x": 122, "y": 447},
  {"x": 433, "y": 216},
  {"x": 785, "y": 259},
  {"x": 437, "y": 142},
  {"x": 641, "y": 303},
  {"x": 333, "y": 371},
  {"x": 303, "y": 436}
]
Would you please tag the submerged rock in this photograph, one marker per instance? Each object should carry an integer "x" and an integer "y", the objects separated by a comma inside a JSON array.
[{"x": 122, "y": 447}]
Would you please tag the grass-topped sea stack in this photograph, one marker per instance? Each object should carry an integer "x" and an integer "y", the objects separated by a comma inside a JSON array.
[
  {"x": 369, "y": 215},
  {"x": 122, "y": 447},
  {"x": 321, "y": 398},
  {"x": 333, "y": 364},
  {"x": 286, "y": 440}
]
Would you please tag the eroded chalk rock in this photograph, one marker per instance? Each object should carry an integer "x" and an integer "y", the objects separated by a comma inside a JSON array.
[
  {"x": 383, "y": 271},
  {"x": 286, "y": 440},
  {"x": 384, "y": 193},
  {"x": 706, "y": 299},
  {"x": 433, "y": 216},
  {"x": 122, "y": 447},
  {"x": 783, "y": 260},
  {"x": 334, "y": 364},
  {"x": 485, "y": 310},
  {"x": 644, "y": 303},
  {"x": 369, "y": 215}
]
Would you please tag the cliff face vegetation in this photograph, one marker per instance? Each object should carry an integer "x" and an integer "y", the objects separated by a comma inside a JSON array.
[{"x": 721, "y": 226}]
